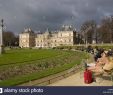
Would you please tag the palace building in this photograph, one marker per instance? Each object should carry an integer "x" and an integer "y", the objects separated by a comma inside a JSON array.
[
  {"x": 65, "y": 36},
  {"x": 27, "y": 38}
]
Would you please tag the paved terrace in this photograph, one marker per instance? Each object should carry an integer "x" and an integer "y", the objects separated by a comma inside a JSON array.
[{"x": 77, "y": 80}]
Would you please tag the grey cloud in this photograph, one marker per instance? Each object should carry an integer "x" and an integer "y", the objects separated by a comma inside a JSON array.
[{"x": 40, "y": 14}]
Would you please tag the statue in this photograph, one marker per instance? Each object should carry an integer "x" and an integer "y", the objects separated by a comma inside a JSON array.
[{"x": 1, "y": 37}]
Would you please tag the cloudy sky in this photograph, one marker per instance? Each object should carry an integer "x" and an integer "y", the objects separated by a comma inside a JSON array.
[{"x": 40, "y": 14}]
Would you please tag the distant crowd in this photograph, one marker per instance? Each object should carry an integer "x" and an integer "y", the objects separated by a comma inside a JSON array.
[{"x": 98, "y": 51}]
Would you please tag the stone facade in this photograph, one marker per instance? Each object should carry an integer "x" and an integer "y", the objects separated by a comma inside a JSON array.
[
  {"x": 27, "y": 38},
  {"x": 65, "y": 36}
]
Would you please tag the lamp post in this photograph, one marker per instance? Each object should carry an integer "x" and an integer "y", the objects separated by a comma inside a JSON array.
[{"x": 1, "y": 37}]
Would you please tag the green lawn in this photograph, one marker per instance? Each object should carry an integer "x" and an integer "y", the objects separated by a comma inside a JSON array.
[
  {"x": 20, "y": 66},
  {"x": 23, "y": 55}
]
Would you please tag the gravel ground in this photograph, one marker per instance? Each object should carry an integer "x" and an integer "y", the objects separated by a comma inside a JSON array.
[{"x": 78, "y": 80}]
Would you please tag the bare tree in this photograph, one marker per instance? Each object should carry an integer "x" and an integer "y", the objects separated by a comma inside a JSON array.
[
  {"x": 106, "y": 30},
  {"x": 88, "y": 30},
  {"x": 10, "y": 39}
]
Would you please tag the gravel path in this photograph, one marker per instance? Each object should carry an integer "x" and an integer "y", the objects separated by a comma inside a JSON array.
[{"x": 77, "y": 80}]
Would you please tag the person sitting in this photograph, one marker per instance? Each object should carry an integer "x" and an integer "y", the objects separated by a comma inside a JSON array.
[
  {"x": 110, "y": 52},
  {"x": 109, "y": 67},
  {"x": 97, "y": 67},
  {"x": 98, "y": 53}
]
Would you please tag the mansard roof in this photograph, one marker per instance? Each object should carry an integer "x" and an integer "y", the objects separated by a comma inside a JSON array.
[
  {"x": 47, "y": 32},
  {"x": 28, "y": 30},
  {"x": 67, "y": 28}
]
